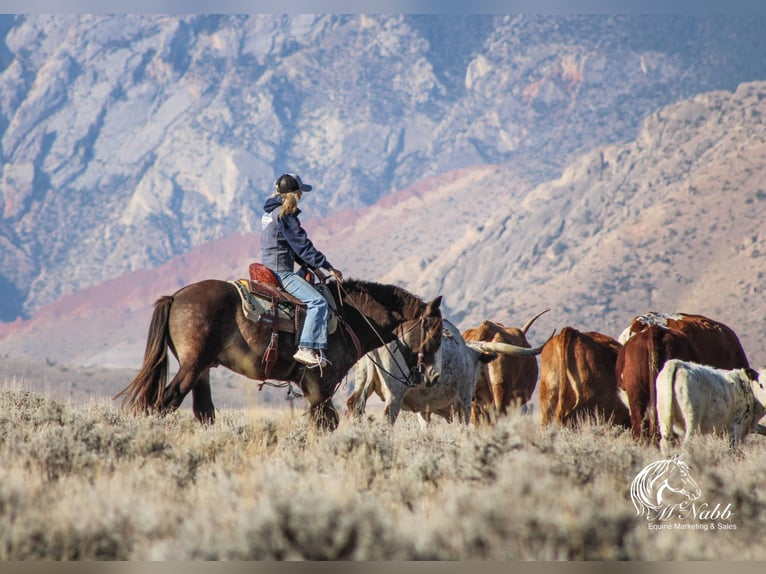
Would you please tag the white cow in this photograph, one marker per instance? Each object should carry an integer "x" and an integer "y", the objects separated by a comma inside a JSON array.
[
  {"x": 697, "y": 399},
  {"x": 381, "y": 371}
]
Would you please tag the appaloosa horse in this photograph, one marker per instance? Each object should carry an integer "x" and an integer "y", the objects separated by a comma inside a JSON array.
[{"x": 204, "y": 326}]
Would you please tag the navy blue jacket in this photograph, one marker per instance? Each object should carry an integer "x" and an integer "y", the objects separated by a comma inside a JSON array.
[{"x": 284, "y": 242}]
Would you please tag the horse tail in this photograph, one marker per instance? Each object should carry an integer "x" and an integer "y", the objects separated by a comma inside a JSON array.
[{"x": 144, "y": 393}]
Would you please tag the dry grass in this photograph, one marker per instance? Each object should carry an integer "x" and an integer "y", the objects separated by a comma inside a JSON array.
[{"x": 81, "y": 482}]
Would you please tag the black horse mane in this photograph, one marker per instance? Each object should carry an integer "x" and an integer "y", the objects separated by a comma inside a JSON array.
[{"x": 387, "y": 300}]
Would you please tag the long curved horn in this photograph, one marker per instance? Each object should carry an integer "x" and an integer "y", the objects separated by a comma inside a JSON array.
[
  {"x": 532, "y": 320},
  {"x": 507, "y": 348}
]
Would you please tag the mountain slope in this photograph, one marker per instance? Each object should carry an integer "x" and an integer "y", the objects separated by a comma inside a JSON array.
[
  {"x": 670, "y": 222},
  {"x": 131, "y": 139}
]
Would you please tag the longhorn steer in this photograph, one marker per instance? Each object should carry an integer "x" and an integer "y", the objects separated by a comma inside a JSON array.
[
  {"x": 697, "y": 399},
  {"x": 508, "y": 379},
  {"x": 578, "y": 378},
  {"x": 453, "y": 390}
]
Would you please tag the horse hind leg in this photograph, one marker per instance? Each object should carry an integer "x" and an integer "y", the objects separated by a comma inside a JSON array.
[
  {"x": 202, "y": 399},
  {"x": 183, "y": 382}
]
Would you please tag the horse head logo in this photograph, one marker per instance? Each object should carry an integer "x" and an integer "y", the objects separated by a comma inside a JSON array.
[{"x": 662, "y": 486}]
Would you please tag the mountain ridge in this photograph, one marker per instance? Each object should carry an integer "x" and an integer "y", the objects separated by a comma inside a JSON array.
[
  {"x": 668, "y": 222},
  {"x": 130, "y": 139}
]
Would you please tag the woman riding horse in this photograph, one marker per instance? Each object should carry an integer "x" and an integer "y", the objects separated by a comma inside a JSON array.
[
  {"x": 283, "y": 243},
  {"x": 204, "y": 326}
]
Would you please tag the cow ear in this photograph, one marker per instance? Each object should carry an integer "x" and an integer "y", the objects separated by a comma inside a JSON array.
[
  {"x": 434, "y": 305},
  {"x": 752, "y": 374}
]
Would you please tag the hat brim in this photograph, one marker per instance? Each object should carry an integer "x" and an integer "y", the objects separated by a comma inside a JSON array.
[{"x": 305, "y": 187}]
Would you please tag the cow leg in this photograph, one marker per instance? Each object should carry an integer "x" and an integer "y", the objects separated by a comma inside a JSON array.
[
  {"x": 482, "y": 401},
  {"x": 637, "y": 415},
  {"x": 364, "y": 380},
  {"x": 393, "y": 396},
  {"x": 549, "y": 398},
  {"x": 464, "y": 409},
  {"x": 498, "y": 394},
  {"x": 202, "y": 399},
  {"x": 424, "y": 419},
  {"x": 391, "y": 410}
]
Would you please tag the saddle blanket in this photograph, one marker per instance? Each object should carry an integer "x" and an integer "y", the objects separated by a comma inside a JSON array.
[{"x": 258, "y": 309}]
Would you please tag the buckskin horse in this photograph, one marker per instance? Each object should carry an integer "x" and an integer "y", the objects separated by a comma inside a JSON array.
[{"x": 204, "y": 326}]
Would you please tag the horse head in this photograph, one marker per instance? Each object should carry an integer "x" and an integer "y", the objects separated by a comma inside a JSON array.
[
  {"x": 419, "y": 341},
  {"x": 390, "y": 313}
]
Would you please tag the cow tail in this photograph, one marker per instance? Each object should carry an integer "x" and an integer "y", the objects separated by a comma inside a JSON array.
[
  {"x": 565, "y": 378},
  {"x": 651, "y": 407}
]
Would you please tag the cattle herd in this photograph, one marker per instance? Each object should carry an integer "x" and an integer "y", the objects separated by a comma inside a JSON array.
[{"x": 666, "y": 377}]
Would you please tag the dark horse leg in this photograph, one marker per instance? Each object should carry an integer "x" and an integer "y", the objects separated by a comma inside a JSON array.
[
  {"x": 322, "y": 410},
  {"x": 190, "y": 378},
  {"x": 202, "y": 399}
]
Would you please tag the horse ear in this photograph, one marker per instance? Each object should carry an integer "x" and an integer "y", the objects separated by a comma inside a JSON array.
[{"x": 434, "y": 305}]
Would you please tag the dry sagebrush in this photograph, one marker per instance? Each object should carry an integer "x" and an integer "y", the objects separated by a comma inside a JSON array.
[{"x": 91, "y": 482}]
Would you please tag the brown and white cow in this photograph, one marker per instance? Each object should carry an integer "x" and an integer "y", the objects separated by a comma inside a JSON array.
[
  {"x": 652, "y": 339},
  {"x": 507, "y": 380},
  {"x": 578, "y": 378},
  {"x": 698, "y": 399},
  {"x": 451, "y": 392}
]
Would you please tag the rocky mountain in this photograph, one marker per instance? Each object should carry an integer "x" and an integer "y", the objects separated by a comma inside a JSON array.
[
  {"x": 130, "y": 140},
  {"x": 670, "y": 221}
]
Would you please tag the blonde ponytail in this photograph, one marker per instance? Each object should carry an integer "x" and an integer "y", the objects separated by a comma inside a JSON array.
[{"x": 289, "y": 203}]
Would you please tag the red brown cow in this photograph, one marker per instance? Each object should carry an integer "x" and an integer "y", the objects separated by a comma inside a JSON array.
[
  {"x": 717, "y": 344},
  {"x": 672, "y": 336},
  {"x": 578, "y": 378},
  {"x": 638, "y": 362},
  {"x": 506, "y": 380}
]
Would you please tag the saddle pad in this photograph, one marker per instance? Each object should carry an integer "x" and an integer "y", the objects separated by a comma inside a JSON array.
[{"x": 258, "y": 309}]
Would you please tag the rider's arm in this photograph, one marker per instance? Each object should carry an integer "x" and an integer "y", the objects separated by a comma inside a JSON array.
[{"x": 304, "y": 250}]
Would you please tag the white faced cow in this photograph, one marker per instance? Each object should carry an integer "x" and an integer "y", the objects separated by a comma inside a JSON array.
[
  {"x": 380, "y": 371},
  {"x": 697, "y": 399}
]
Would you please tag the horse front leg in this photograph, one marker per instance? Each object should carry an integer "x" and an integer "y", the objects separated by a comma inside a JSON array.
[{"x": 323, "y": 411}]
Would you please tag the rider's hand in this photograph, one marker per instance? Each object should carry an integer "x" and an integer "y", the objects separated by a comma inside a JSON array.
[{"x": 337, "y": 274}]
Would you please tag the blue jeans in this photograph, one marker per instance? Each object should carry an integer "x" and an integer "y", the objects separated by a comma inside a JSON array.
[{"x": 314, "y": 334}]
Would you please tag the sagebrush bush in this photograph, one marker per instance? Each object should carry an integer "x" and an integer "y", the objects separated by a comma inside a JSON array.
[{"x": 90, "y": 482}]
